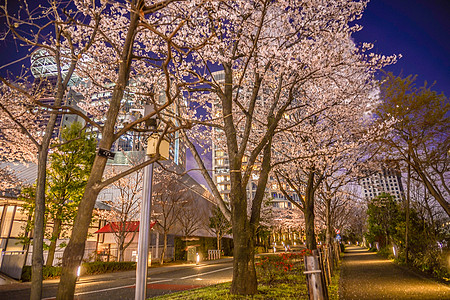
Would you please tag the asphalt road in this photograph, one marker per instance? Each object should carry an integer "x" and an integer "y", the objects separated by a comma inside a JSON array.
[
  {"x": 121, "y": 285},
  {"x": 366, "y": 275}
]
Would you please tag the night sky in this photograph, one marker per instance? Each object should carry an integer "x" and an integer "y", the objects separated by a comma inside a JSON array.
[{"x": 417, "y": 29}]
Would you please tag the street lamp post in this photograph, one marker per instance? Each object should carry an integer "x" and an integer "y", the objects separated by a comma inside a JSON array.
[
  {"x": 144, "y": 234},
  {"x": 144, "y": 223}
]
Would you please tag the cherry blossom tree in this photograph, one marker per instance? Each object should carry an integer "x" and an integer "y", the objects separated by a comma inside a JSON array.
[
  {"x": 26, "y": 136},
  {"x": 169, "y": 200},
  {"x": 125, "y": 208},
  {"x": 128, "y": 65},
  {"x": 192, "y": 216},
  {"x": 109, "y": 46},
  {"x": 277, "y": 61},
  {"x": 219, "y": 225},
  {"x": 327, "y": 145},
  {"x": 274, "y": 55},
  {"x": 287, "y": 220}
]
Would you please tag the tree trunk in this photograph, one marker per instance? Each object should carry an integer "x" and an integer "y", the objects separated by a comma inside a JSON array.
[
  {"x": 121, "y": 253},
  {"x": 218, "y": 241},
  {"x": 329, "y": 232},
  {"x": 163, "y": 253},
  {"x": 309, "y": 213},
  {"x": 408, "y": 200},
  {"x": 430, "y": 213},
  {"x": 39, "y": 211},
  {"x": 244, "y": 272},
  {"x": 329, "y": 228},
  {"x": 57, "y": 226},
  {"x": 120, "y": 248},
  {"x": 75, "y": 249}
]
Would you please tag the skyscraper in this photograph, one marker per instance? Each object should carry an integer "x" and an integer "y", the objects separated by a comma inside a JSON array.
[{"x": 385, "y": 181}]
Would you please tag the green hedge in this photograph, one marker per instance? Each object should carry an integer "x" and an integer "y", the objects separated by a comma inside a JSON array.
[
  {"x": 90, "y": 268},
  {"x": 47, "y": 272},
  {"x": 100, "y": 267}
]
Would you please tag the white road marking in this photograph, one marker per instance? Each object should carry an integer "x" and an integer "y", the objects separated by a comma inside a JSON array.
[
  {"x": 149, "y": 281},
  {"x": 165, "y": 280},
  {"x": 112, "y": 289},
  {"x": 97, "y": 291},
  {"x": 210, "y": 272}
]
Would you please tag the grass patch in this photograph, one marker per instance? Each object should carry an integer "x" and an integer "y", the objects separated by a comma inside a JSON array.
[
  {"x": 279, "y": 277},
  {"x": 333, "y": 288}
]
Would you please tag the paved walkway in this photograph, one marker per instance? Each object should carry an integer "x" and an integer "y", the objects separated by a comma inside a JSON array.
[{"x": 366, "y": 275}]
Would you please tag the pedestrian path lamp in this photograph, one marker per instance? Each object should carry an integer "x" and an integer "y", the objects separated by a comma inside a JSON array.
[{"x": 144, "y": 224}]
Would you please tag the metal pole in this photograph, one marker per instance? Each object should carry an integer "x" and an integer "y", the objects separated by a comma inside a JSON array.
[{"x": 144, "y": 234}]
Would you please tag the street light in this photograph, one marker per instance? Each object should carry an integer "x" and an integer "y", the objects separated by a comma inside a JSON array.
[{"x": 144, "y": 224}]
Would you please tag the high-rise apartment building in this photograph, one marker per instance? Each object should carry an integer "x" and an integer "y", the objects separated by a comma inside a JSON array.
[
  {"x": 43, "y": 67},
  {"x": 385, "y": 181}
]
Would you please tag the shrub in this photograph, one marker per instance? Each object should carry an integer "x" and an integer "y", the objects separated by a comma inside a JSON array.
[
  {"x": 386, "y": 252},
  {"x": 97, "y": 267},
  {"x": 433, "y": 262},
  {"x": 259, "y": 249},
  {"x": 100, "y": 267},
  {"x": 47, "y": 273}
]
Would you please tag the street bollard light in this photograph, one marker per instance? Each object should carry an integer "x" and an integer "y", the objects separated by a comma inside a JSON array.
[{"x": 78, "y": 272}]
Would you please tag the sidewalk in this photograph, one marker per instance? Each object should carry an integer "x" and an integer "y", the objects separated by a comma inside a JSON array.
[
  {"x": 366, "y": 275},
  {"x": 154, "y": 270}
]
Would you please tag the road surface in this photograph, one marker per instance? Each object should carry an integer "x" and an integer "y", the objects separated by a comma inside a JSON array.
[{"x": 121, "y": 285}]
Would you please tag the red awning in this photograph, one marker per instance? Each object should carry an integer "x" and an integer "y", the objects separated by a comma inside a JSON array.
[{"x": 117, "y": 226}]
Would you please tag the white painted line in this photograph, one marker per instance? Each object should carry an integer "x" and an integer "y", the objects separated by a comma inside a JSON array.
[
  {"x": 129, "y": 286},
  {"x": 111, "y": 289},
  {"x": 158, "y": 281},
  {"x": 197, "y": 275}
]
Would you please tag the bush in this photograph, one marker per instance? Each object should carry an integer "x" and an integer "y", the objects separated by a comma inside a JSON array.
[
  {"x": 259, "y": 249},
  {"x": 433, "y": 261},
  {"x": 386, "y": 252},
  {"x": 47, "y": 273},
  {"x": 90, "y": 268},
  {"x": 100, "y": 267}
]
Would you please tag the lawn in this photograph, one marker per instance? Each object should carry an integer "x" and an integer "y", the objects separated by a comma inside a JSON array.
[{"x": 279, "y": 277}]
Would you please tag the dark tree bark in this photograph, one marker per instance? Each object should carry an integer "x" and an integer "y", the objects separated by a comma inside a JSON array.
[
  {"x": 309, "y": 213},
  {"x": 39, "y": 226},
  {"x": 75, "y": 249},
  {"x": 57, "y": 226}
]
